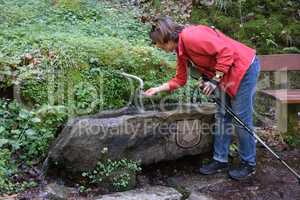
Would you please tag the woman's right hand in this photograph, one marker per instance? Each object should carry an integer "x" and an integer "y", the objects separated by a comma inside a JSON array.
[{"x": 152, "y": 91}]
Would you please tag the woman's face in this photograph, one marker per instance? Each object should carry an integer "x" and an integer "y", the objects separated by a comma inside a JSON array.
[{"x": 169, "y": 46}]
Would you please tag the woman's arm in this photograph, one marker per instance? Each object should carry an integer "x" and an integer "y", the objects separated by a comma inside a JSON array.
[
  {"x": 180, "y": 78},
  {"x": 178, "y": 81}
]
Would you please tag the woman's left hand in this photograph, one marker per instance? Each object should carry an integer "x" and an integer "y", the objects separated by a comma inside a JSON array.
[{"x": 208, "y": 88}]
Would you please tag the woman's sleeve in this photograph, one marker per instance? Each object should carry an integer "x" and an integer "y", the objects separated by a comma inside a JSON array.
[{"x": 181, "y": 73}]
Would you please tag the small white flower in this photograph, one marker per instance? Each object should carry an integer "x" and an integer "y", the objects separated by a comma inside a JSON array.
[{"x": 104, "y": 150}]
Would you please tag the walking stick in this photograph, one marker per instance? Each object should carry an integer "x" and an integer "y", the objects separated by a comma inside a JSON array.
[{"x": 250, "y": 131}]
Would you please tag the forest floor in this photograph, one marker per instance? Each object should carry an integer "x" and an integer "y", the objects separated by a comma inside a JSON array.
[{"x": 271, "y": 181}]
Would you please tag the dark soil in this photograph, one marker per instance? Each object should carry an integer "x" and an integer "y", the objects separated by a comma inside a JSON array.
[
  {"x": 272, "y": 179},
  {"x": 7, "y": 93}
]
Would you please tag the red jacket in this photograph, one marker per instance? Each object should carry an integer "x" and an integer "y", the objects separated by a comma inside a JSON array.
[{"x": 211, "y": 50}]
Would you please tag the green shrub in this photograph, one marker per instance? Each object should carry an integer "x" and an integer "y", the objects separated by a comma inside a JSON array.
[
  {"x": 6, "y": 170},
  {"x": 115, "y": 175},
  {"x": 105, "y": 33},
  {"x": 25, "y": 137},
  {"x": 68, "y": 4},
  {"x": 268, "y": 26},
  {"x": 28, "y": 132}
]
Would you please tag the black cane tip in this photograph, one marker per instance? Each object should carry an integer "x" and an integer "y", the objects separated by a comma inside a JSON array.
[{"x": 299, "y": 181}]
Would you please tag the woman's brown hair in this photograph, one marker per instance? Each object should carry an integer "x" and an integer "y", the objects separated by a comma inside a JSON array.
[{"x": 164, "y": 29}]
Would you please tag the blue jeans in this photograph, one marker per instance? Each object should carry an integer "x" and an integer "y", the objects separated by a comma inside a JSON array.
[{"x": 242, "y": 105}]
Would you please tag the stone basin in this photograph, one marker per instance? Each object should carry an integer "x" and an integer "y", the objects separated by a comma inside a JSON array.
[{"x": 148, "y": 137}]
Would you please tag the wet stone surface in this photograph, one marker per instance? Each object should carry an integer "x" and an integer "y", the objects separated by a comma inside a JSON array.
[{"x": 147, "y": 193}]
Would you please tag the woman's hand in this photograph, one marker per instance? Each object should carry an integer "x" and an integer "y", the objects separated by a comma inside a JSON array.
[
  {"x": 152, "y": 91},
  {"x": 207, "y": 87},
  {"x": 155, "y": 90}
]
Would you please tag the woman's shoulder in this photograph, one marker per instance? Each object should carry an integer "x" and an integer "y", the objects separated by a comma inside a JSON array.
[
  {"x": 194, "y": 29},
  {"x": 191, "y": 31}
]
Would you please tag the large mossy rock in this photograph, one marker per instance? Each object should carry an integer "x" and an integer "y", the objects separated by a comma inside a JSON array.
[{"x": 147, "y": 137}]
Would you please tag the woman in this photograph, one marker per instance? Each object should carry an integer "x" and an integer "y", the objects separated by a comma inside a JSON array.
[{"x": 229, "y": 68}]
